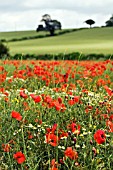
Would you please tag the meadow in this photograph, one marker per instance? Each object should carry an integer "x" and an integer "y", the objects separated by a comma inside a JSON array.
[
  {"x": 94, "y": 40},
  {"x": 56, "y": 115}
]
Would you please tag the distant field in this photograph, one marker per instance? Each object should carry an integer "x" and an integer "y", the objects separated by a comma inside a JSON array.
[
  {"x": 19, "y": 34},
  {"x": 95, "y": 40}
]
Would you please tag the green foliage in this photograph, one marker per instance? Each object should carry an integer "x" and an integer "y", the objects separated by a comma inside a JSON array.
[
  {"x": 4, "y": 51},
  {"x": 50, "y": 25},
  {"x": 109, "y": 23},
  {"x": 90, "y": 22},
  {"x": 61, "y": 56}
]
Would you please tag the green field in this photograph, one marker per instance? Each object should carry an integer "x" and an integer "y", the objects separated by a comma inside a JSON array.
[
  {"x": 18, "y": 34},
  {"x": 95, "y": 40}
]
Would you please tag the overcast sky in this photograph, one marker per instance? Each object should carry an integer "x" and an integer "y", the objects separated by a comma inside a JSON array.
[{"x": 26, "y": 14}]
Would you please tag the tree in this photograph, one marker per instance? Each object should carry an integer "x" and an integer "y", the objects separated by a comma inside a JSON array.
[
  {"x": 57, "y": 24},
  {"x": 109, "y": 23},
  {"x": 50, "y": 25},
  {"x": 46, "y": 17},
  {"x": 90, "y": 22},
  {"x": 4, "y": 51}
]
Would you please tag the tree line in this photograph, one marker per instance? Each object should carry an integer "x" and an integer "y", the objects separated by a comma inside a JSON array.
[{"x": 52, "y": 25}]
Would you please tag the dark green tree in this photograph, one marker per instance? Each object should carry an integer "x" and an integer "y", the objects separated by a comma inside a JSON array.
[
  {"x": 50, "y": 25},
  {"x": 4, "y": 51},
  {"x": 90, "y": 22},
  {"x": 109, "y": 23}
]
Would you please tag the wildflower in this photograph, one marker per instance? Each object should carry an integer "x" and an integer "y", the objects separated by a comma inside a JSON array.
[
  {"x": 62, "y": 134},
  {"x": 36, "y": 98},
  {"x": 20, "y": 157},
  {"x": 109, "y": 124},
  {"x": 108, "y": 90},
  {"x": 71, "y": 102},
  {"x": 111, "y": 118},
  {"x": 94, "y": 151},
  {"x": 6, "y": 147},
  {"x": 104, "y": 116},
  {"x": 54, "y": 168},
  {"x": 75, "y": 128},
  {"x": 72, "y": 154},
  {"x": 48, "y": 99},
  {"x": 52, "y": 139},
  {"x": 30, "y": 136},
  {"x": 52, "y": 129},
  {"x": 54, "y": 165},
  {"x": 100, "y": 136},
  {"x": 59, "y": 106},
  {"x": 22, "y": 94},
  {"x": 26, "y": 106},
  {"x": 76, "y": 99},
  {"x": 16, "y": 115},
  {"x": 59, "y": 99}
]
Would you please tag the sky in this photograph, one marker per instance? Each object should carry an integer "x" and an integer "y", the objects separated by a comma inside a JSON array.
[{"x": 19, "y": 15}]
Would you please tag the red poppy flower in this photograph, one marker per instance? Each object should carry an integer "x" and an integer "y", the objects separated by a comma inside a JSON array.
[
  {"x": 109, "y": 124},
  {"x": 59, "y": 99},
  {"x": 62, "y": 134},
  {"x": 22, "y": 94},
  {"x": 72, "y": 154},
  {"x": 36, "y": 98},
  {"x": 75, "y": 128},
  {"x": 108, "y": 90},
  {"x": 104, "y": 116},
  {"x": 100, "y": 136},
  {"x": 76, "y": 99},
  {"x": 51, "y": 139},
  {"x": 30, "y": 136},
  {"x": 20, "y": 157},
  {"x": 71, "y": 102},
  {"x": 59, "y": 106},
  {"x": 111, "y": 118},
  {"x": 52, "y": 130},
  {"x": 47, "y": 99},
  {"x": 54, "y": 165},
  {"x": 16, "y": 115},
  {"x": 54, "y": 168}
]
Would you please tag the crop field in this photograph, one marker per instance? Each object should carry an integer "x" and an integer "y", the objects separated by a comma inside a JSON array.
[
  {"x": 56, "y": 115},
  {"x": 20, "y": 34},
  {"x": 95, "y": 40}
]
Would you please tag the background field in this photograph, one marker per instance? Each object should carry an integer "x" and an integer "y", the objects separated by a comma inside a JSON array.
[{"x": 95, "y": 40}]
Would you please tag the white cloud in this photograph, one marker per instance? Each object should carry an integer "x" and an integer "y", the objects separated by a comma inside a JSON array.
[{"x": 26, "y": 15}]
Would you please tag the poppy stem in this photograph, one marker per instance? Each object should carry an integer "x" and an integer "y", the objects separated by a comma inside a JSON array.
[
  {"x": 49, "y": 161},
  {"x": 57, "y": 144},
  {"x": 24, "y": 142},
  {"x": 11, "y": 165}
]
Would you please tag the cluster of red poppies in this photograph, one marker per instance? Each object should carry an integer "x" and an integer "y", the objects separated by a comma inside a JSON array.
[{"x": 66, "y": 105}]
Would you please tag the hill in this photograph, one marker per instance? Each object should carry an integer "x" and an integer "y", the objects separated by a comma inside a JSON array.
[{"x": 94, "y": 40}]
